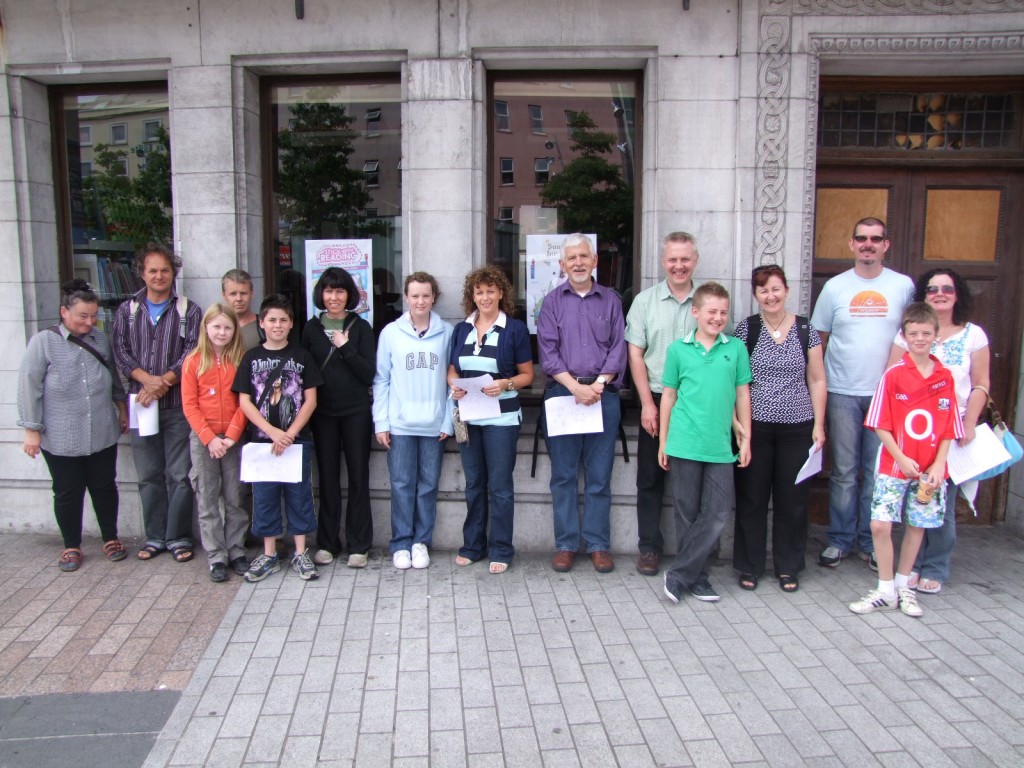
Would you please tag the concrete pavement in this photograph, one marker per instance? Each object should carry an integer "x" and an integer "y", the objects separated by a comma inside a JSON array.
[{"x": 456, "y": 667}]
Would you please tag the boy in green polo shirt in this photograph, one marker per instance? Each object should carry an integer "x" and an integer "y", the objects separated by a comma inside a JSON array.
[{"x": 706, "y": 381}]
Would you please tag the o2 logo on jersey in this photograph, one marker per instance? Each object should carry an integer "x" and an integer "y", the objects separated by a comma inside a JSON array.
[{"x": 914, "y": 418}]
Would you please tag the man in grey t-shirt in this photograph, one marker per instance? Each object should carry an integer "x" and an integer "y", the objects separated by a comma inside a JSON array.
[{"x": 857, "y": 315}]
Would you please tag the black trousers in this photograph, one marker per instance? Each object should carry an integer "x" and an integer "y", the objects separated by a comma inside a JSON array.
[
  {"x": 72, "y": 475},
  {"x": 332, "y": 436},
  {"x": 777, "y": 452},
  {"x": 650, "y": 491}
]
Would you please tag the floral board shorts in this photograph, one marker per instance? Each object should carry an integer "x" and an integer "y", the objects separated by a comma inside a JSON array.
[{"x": 892, "y": 495}]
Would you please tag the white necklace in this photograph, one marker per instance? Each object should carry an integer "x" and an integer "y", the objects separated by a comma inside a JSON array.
[{"x": 776, "y": 333}]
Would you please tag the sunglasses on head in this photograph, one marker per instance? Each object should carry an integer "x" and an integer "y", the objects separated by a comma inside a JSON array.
[
  {"x": 931, "y": 290},
  {"x": 872, "y": 238}
]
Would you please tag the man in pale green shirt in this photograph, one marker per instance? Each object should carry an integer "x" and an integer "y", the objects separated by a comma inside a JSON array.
[{"x": 658, "y": 316}]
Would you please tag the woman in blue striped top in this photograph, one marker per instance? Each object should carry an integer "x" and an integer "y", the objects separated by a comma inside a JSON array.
[{"x": 490, "y": 341}]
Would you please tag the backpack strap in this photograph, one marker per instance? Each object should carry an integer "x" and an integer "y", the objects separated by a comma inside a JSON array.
[
  {"x": 753, "y": 332},
  {"x": 803, "y": 332},
  {"x": 181, "y": 305}
]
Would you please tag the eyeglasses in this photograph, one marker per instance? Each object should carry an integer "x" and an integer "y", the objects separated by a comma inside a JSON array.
[
  {"x": 931, "y": 290},
  {"x": 765, "y": 268},
  {"x": 873, "y": 238}
]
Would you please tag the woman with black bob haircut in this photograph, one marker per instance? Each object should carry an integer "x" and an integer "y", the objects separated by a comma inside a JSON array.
[
  {"x": 72, "y": 407},
  {"x": 343, "y": 345}
]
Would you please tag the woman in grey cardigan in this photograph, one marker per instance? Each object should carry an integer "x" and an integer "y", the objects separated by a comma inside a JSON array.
[{"x": 73, "y": 409}]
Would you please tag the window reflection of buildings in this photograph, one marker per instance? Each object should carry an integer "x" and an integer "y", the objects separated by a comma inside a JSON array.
[
  {"x": 124, "y": 123},
  {"x": 532, "y": 143},
  {"x": 374, "y": 138}
]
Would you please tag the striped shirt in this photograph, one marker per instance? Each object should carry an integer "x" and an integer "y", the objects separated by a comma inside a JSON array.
[
  {"x": 67, "y": 395},
  {"x": 155, "y": 349},
  {"x": 477, "y": 357}
]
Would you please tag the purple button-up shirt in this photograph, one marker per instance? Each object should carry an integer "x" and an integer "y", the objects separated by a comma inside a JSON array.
[{"x": 584, "y": 335}]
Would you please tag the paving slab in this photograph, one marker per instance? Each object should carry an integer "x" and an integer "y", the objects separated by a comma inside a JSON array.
[{"x": 454, "y": 666}]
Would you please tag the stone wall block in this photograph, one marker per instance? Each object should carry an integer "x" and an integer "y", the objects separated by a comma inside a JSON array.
[
  {"x": 447, "y": 190},
  {"x": 200, "y": 87},
  {"x": 207, "y": 244},
  {"x": 697, "y": 134},
  {"x": 439, "y": 135},
  {"x": 440, "y": 79},
  {"x": 699, "y": 189},
  {"x": 695, "y": 78},
  {"x": 202, "y": 140},
  {"x": 198, "y": 193}
]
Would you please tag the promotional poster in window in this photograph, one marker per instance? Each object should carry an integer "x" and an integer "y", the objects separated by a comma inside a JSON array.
[{"x": 354, "y": 256}]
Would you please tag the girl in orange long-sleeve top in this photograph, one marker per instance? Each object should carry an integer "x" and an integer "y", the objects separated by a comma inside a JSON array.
[{"x": 217, "y": 424}]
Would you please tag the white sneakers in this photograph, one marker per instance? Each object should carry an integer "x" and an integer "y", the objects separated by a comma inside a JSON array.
[
  {"x": 876, "y": 600},
  {"x": 419, "y": 558},
  {"x": 401, "y": 560}
]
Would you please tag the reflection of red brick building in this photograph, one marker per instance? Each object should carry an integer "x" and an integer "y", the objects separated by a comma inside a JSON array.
[{"x": 532, "y": 142}]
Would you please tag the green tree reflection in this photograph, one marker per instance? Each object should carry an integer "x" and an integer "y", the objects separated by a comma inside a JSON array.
[
  {"x": 137, "y": 209},
  {"x": 590, "y": 193}
]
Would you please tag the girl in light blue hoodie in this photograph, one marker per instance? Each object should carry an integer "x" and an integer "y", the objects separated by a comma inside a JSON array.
[{"x": 410, "y": 391}]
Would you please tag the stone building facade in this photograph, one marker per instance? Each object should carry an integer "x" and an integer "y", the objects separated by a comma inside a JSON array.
[{"x": 727, "y": 147}]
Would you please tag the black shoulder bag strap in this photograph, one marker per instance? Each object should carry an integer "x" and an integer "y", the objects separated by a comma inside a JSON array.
[
  {"x": 87, "y": 347},
  {"x": 349, "y": 319}
]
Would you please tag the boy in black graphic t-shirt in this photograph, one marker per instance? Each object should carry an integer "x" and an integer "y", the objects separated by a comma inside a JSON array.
[{"x": 276, "y": 385}]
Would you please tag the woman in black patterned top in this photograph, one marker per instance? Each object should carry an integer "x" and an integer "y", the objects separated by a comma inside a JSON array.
[{"x": 788, "y": 402}]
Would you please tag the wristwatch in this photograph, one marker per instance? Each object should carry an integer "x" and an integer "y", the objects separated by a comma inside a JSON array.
[
  {"x": 601, "y": 380},
  {"x": 511, "y": 385}
]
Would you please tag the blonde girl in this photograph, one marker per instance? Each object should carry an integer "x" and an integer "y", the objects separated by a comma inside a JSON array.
[{"x": 217, "y": 423}]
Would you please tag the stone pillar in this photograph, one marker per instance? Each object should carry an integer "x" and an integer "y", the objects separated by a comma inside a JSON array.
[
  {"x": 204, "y": 189},
  {"x": 441, "y": 201}
]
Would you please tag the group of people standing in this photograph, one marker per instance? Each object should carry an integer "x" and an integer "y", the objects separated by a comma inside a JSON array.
[
  {"x": 783, "y": 394},
  {"x": 725, "y": 419}
]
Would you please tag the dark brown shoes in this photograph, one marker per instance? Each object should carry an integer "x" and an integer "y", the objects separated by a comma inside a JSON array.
[
  {"x": 562, "y": 561},
  {"x": 603, "y": 562},
  {"x": 647, "y": 563}
]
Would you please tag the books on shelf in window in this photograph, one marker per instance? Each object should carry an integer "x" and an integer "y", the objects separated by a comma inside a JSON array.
[{"x": 112, "y": 279}]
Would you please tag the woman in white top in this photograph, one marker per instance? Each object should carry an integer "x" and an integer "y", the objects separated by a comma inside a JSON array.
[{"x": 963, "y": 348}]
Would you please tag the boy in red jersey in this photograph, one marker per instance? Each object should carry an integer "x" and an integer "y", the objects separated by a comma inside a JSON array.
[{"x": 915, "y": 415}]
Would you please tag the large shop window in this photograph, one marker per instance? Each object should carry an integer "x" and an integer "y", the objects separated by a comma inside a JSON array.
[
  {"x": 333, "y": 153},
  {"x": 584, "y": 177},
  {"x": 112, "y": 157}
]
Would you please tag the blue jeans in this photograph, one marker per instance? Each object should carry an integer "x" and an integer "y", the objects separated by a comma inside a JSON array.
[
  {"x": 596, "y": 452},
  {"x": 298, "y": 502},
  {"x": 488, "y": 461},
  {"x": 414, "y": 464},
  {"x": 163, "y": 462},
  {"x": 854, "y": 447},
  {"x": 933, "y": 559},
  {"x": 702, "y": 496}
]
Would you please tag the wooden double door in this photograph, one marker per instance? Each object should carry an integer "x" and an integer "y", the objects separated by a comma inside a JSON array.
[{"x": 969, "y": 220}]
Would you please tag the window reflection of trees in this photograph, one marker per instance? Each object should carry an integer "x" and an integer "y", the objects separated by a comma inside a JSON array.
[{"x": 134, "y": 209}]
